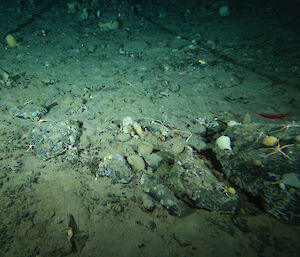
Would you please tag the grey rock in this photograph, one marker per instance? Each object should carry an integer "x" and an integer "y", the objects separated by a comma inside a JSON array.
[
  {"x": 50, "y": 139},
  {"x": 210, "y": 123},
  {"x": 160, "y": 130},
  {"x": 55, "y": 238},
  {"x": 195, "y": 183},
  {"x": 197, "y": 143},
  {"x": 154, "y": 186},
  {"x": 274, "y": 179},
  {"x": 117, "y": 169},
  {"x": 28, "y": 111},
  {"x": 283, "y": 204}
]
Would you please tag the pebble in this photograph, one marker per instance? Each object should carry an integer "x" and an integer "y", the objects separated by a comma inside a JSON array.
[
  {"x": 136, "y": 162},
  {"x": 123, "y": 137},
  {"x": 177, "y": 147},
  {"x": 145, "y": 148},
  {"x": 153, "y": 160}
]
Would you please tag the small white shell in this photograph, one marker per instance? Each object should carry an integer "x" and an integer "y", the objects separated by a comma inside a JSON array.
[
  {"x": 233, "y": 123},
  {"x": 224, "y": 143}
]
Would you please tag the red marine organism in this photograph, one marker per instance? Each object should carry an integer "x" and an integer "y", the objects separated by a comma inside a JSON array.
[{"x": 273, "y": 116}]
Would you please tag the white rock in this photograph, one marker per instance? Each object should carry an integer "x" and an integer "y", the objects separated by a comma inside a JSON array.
[
  {"x": 127, "y": 125},
  {"x": 224, "y": 143},
  {"x": 127, "y": 121}
]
